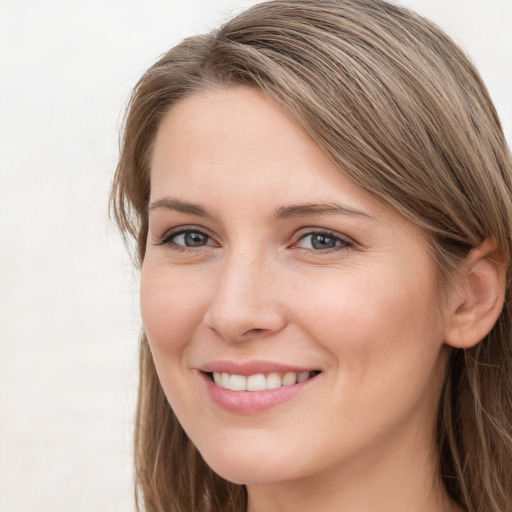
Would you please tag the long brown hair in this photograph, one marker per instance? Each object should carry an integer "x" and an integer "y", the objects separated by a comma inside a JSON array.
[{"x": 398, "y": 106}]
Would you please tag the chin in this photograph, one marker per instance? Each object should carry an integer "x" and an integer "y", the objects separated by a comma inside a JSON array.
[
  {"x": 248, "y": 474},
  {"x": 251, "y": 468}
]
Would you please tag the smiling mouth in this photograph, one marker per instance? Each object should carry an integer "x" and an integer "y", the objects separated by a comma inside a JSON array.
[{"x": 259, "y": 381}]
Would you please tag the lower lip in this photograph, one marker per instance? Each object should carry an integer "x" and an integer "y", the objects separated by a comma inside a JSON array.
[{"x": 252, "y": 402}]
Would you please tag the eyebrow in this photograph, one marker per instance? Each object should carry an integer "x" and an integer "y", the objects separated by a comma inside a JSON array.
[
  {"x": 179, "y": 206},
  {"x": 283, "y": 212},
  {"x": 305, "y": 210}
]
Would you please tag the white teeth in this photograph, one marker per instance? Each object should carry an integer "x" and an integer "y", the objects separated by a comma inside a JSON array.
[
  {"x": 238, "y": 383},
  {"x": 302, "y": 376},
  {"x": 256, "y": 382},
  {"x": 290, "y": 378},
  {"x": 259, "y": 381},
  {"x": 273, "y": 381}
]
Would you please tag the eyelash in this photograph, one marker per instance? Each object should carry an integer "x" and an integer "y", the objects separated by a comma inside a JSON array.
[
  {"x": 168, "y": 239},
  {"x": 341, "y": 243}
]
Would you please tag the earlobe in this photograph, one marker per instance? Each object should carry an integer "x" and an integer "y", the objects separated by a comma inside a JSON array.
[{"x": 478, "y": 298}]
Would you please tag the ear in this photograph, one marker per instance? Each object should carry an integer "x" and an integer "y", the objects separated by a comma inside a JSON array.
[{"x": 478, "y": 297}]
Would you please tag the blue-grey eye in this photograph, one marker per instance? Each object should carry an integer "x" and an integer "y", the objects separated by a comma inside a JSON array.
[
  {"x": 191, "y": 239},
  {"x": 321, "y": 241}
]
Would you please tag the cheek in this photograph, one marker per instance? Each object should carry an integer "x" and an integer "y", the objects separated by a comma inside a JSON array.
[
  {"x": 171, "y": 308},
  {"x": 375, "y": 324},
  {"x": 384, "y": 336}
]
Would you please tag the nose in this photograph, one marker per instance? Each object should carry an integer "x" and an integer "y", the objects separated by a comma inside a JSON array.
[{"x": 245, "y": 304}]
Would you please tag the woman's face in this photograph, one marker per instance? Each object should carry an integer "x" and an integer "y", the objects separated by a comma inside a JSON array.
[{"x": 265, "y": 266}]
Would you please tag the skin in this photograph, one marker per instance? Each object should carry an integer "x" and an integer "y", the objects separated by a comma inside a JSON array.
[{"x": 363, "y": 311}]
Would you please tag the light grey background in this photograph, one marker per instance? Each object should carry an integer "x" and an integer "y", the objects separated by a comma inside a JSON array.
[{"x": 69, "y": 316}]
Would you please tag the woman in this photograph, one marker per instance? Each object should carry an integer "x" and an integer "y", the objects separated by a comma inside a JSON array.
[{"x": 320, "y": 193}]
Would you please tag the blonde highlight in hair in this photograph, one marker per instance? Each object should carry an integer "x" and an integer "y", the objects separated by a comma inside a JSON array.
[{"x": 399, "y": 107}]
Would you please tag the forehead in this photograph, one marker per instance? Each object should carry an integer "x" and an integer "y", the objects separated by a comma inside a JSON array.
[
  {"x": 235, "y": 124},
  {"x": 236, "y": 150},
  {"x": 239, "y": 139}
]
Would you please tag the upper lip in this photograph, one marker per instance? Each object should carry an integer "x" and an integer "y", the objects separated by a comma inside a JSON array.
[{"x": 252, "y": 367}]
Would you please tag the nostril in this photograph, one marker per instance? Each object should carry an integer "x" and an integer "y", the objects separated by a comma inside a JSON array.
[{"x": 254, "y": 331}]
